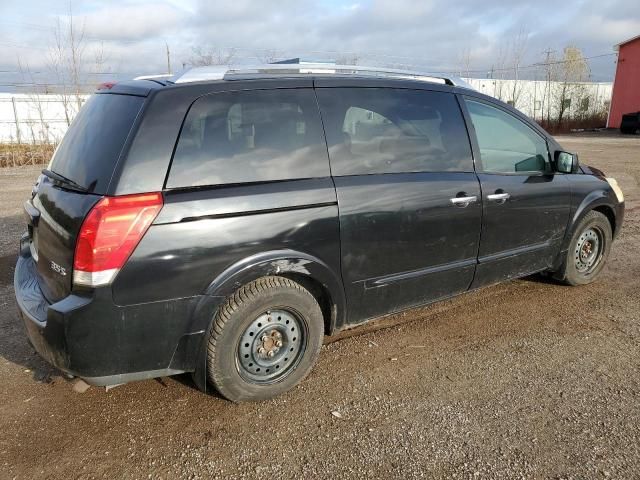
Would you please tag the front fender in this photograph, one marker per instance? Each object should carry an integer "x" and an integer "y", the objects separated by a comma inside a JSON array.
[
  {"x": 594, "y": 199},
  {"x": 601, "y": 197}
]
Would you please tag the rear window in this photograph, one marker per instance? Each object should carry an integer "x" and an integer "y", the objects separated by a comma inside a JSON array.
[
  {"x": 385, "y": 130},
  {"x": 90, "y": 149},
  {"x": 250, "y": 136}
]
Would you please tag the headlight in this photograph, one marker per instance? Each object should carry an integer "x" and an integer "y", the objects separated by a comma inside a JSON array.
[{"x": 616, "y": 188}]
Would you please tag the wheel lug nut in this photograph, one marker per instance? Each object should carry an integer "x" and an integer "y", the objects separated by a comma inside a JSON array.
[
  {"x": 270, "y": 354},
  {"x": 263, "y": 338},
  {"x": 261, "y": 350},
  {"x": 278, "y": 343}
]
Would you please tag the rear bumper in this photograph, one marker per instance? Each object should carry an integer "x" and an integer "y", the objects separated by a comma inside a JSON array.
[{"x": 106, "y": 344}]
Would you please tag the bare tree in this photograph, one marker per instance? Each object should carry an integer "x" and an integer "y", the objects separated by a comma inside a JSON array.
[
  {"x": 36, "y": 104},
  {"x": 268, "y": 56},
  {"x": 211, "y": 56},
  {"x": 498, "y": 72},
  {"x": 100, "y": 59},
  {"x": 572, "y": 72},
  {"x": 518, "y": 52},
  {"x": 57, "y": 64},
  {"x": 76, "y": 47},
  {"x": 350, "y": 59},
  {"x": 505, "y": 71},
  {"x": 66, "y": 61},
  {"x": 72, "y": 61},
  {"x": 465, "y": 62}
]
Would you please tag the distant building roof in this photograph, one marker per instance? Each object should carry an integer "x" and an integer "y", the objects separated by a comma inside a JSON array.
[{"x": 629, "y": 40}]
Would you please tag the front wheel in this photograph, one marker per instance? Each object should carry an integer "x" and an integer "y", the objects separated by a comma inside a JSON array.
[
  {"x": 265, "y": 339},
  {"x": 588, "y": 250}
]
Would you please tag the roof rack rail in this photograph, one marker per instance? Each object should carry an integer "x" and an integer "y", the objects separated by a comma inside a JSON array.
[
  {"x": 223, "y": 72},
  {"x": 159, "y": 76}
]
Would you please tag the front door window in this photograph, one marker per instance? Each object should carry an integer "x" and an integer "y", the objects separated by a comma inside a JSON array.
[{"x": 507, "y": 145}]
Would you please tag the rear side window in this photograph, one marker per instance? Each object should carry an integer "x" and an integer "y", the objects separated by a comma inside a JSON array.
[
  {"x": 91, "y": 147},
  {"x": 250, "y": 136},
  {"x": 507, "y": 145},
  {"x": 383, "y": 130}
]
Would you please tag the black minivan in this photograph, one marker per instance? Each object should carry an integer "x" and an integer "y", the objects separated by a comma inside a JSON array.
[{"x": 224, "y": 226}]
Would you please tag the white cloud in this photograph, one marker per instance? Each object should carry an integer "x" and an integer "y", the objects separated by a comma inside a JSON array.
[
  {"x": 134, "y": 21},
  {"x": 426, "y": 34}
]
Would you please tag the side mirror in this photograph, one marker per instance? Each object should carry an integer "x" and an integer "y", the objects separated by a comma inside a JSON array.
[{"x": 566, "y": 162}]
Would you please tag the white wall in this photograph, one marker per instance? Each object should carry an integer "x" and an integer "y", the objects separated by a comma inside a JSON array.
[
  {"x": 533, "y": 97},
  {"x": 41, "y": 117}
]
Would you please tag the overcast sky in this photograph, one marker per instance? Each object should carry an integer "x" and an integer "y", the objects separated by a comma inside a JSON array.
[{"x": 430, "y": 35}]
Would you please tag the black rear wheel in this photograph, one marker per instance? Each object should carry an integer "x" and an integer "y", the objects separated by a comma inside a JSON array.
[
  {"x": 272, "y": 346},
  {"x": 265, "y": 339}
]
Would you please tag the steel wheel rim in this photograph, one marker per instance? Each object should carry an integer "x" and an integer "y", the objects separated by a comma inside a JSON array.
[
  {"x": 271, "y": 346},
  {"x": 588, "y": 251}
]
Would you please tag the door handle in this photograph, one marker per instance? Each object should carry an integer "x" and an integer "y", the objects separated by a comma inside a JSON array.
[
  {"x": 499, "y": 197},
  {"x": 463, "y": 201}
]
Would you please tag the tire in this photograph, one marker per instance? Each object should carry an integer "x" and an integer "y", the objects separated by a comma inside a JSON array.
[
  {"x": 592, "y": 232},
  {"x": 264, "y": 340}
]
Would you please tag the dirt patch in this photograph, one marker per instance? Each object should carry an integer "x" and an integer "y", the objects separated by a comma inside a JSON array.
[{"x": 529, "y": 379}]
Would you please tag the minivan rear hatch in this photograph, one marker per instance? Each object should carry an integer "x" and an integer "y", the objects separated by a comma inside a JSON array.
[{"x": 76, "y": 178}]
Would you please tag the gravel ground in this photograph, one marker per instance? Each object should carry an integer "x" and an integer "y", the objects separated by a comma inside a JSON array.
[{"x": 528, "y": 379}]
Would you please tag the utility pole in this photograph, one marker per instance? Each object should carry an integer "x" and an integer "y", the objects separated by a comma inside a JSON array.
[
  {"x": 515, "y": 83},
  {"x": 492, "y": 80},
  {"x": 547, "y": 63},
  {"x": 535, "y": 93},
  {"x": 168, "y": 58},
  {"x": 15, "y": 116}
]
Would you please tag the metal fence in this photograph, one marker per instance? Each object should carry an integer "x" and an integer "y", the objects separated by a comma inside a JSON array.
[{"x": 36, "y": 118}]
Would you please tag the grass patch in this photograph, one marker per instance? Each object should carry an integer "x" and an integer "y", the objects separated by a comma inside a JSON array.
[{"x": 17, "y": 155}]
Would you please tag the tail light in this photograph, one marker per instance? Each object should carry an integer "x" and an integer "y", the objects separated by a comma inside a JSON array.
[{"x": 109, "y": 234}]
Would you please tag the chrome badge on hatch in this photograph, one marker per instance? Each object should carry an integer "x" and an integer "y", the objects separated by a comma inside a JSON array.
[{"x": 58, "y": 269}]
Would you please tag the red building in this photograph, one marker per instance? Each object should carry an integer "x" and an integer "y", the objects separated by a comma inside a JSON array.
[{"x": 626, "y": 85}]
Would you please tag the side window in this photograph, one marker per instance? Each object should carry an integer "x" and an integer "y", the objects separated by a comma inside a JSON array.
[
  {"x": 507, "y": 145},
  {"x": 251, "y": 136},
  {"x": 383, "y": 130}
]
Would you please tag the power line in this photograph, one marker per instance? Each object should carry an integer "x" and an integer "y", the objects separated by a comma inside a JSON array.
[
  {"x": 35, "y": 84},
  {"x": 18, "y": 45},
  {"x": 533, "y": 65},
  {"x": 44, "y": 72},
  {"x": 583, "y": 58},
  {"x": 483, "y": 70}
]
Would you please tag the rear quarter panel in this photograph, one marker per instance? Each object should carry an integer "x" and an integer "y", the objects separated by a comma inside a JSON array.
[{"x": 200, "y": 234}]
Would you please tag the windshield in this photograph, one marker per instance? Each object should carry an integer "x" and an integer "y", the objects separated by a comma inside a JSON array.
[{"x": 90, "y": 149}]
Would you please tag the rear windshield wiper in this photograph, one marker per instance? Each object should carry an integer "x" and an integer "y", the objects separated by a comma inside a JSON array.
[{"x": 66, "y": 182}]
